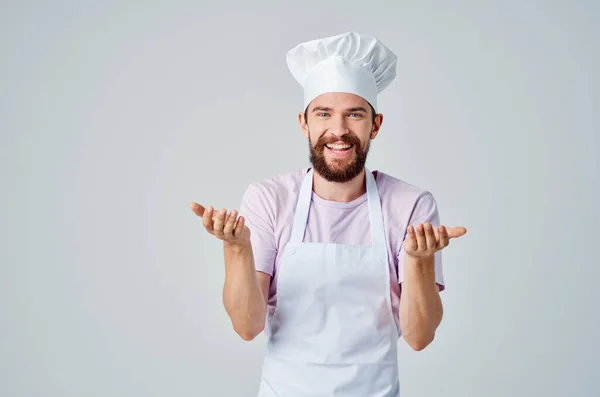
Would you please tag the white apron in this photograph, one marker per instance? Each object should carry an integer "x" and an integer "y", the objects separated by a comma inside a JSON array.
[{"x": 333, "y": 331}]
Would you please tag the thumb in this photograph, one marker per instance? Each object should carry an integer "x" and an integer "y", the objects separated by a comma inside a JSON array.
[
  {"x": 197, "y": 208},
  {"x": 454, "y": 232}
]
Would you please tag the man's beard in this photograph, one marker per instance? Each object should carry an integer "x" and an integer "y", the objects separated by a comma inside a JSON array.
[{"x": 345, "y": 174}]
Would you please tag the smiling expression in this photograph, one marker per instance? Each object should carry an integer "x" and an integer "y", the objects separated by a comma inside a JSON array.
[{"x": 339, "y": 128}]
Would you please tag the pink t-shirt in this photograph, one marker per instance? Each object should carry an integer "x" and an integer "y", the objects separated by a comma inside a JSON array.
[{"x": 269, "y": 206}]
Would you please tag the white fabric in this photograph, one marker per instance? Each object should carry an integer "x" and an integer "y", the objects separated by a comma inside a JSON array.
[
  {"x": 350, "y": 62},
  {"x": 333, "y": 332}
]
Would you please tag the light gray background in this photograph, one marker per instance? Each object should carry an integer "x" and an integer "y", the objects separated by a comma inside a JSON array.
[{"x": 113, "y": 117}]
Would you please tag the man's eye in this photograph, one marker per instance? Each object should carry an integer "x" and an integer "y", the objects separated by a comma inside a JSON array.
[
  {"x": 322, "y": 114},
  {"x": 355, "y": 114}
]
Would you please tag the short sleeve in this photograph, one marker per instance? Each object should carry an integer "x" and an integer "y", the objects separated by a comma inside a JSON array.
[
  {"x": 425, "y": 210},
  {"x": 256, "y": 210}
]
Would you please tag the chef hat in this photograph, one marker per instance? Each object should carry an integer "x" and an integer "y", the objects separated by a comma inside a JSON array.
[{"x": 349, "y": 62}]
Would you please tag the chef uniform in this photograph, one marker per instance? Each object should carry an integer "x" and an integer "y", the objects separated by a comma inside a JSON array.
[{"x": 333, "y": 331}]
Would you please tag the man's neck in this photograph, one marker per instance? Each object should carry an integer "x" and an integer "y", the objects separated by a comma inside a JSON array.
[{"x": 338, "y": 191}]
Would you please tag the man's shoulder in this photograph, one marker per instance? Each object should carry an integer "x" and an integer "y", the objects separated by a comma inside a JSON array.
[
  {"x": 278, "y": 186},
  {"x": 397, "y": 188},
  {"x": 283, "y": 181}
]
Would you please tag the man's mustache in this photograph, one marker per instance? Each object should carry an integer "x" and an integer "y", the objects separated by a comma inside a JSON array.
[{"x": 346, "y": 138}]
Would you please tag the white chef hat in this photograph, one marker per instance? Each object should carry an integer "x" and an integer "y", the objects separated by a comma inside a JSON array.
[{"x": 349, "y": 62}]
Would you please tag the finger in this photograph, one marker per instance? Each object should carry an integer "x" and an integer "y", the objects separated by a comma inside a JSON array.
[
  {"x": 411, "y": 239},
  {"x": 219, "y": 222},
  {"x": 444, "y": 240},
  {"x": 239, "y": 228},
  {"x": 454, "y": 232},
  {"x": 421, "y": 240},
  {"x": 207, "y": 218},
  {"x": 430, "y": 239},
  {"x": 230, "y": 224},
  {"x": 197, "y": 208}
]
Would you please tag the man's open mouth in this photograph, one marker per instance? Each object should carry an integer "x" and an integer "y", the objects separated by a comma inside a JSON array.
[{"x": 339, "y": 148}]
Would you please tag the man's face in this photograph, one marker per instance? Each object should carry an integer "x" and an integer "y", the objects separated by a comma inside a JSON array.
[{"x": 339, "y": 127}]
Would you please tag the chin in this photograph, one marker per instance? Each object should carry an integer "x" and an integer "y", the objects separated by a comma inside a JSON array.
[
  {"x": 335, "y": 166},
  {"x": 339, "y": 168}
]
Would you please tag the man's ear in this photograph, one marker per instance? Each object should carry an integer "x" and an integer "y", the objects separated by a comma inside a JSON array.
[
  {"x": 303, "y": 124},
  {"x": 376, "y": 125}
]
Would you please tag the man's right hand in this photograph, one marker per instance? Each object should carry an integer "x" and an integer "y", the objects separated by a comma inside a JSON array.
[
  {"x": 245, "y": 291},
  {"x": 227, "y": 227}
]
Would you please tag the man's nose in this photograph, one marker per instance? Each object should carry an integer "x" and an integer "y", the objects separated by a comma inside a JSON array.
[{"x": 338, "y": 127}]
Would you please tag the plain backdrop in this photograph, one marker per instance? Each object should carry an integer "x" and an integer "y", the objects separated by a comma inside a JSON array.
[{"x": 115, "y": 116}]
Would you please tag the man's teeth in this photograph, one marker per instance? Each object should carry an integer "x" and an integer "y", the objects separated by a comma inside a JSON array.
[{"x": 338, "y": 147}]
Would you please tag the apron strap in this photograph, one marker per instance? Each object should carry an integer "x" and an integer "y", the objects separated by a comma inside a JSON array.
[
  {"x": 375, "y": 214},
  {"x": 302, "y": 207}
]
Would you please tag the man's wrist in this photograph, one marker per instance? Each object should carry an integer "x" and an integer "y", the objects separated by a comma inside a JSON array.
[
  {"x": 420, "y": 266},
  {"x": 237, "y": 248}
]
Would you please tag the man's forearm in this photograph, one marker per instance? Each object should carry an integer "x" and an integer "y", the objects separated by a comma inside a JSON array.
[
  {"x": 242, "y": 295},
  {"x": 420, "y": 303}
]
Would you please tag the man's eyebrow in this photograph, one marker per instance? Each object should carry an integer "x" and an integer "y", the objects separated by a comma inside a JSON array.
[
  {"x": 357, "y": 109},
  {"x": 321, "y": 108},
  {"x": 326, "y": 109}
]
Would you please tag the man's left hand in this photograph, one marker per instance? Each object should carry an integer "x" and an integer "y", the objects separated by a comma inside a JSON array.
[{"x": 424, "y": 240}]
